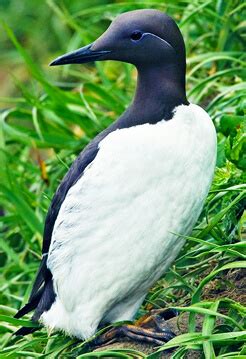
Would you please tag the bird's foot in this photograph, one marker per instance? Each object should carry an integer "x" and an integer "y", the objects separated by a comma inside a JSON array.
[{"x": 151, "y": 328}]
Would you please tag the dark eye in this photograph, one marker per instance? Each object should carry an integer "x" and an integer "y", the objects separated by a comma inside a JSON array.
[{"x": 136, "y": 35}]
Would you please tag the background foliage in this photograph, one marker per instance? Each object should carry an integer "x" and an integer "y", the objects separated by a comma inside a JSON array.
[{"x": 49, "y": 114}]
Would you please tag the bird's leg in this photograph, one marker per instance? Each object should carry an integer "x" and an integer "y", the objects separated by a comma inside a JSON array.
[
  {"x": 150, "y": 328},
  {"x": 156, "y": 316}
]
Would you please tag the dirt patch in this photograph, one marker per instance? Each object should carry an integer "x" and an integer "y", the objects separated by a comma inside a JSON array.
[{"x": 231, "y": 284}]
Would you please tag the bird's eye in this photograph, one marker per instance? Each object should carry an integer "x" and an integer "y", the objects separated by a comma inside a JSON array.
[{"x": 136, "y": 35}]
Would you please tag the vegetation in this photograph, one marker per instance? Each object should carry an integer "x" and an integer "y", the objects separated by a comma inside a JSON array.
[{"x": 49, "y": 115}]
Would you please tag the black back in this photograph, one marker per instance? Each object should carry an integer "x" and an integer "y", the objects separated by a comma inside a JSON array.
[{"x": 160, "y": 88}]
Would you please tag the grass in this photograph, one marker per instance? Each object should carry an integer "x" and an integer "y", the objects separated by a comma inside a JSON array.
[{"x": 49, "y": 115}]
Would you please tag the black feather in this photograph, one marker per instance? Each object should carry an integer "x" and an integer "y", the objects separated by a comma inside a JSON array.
[
  {"x": 31, "y": 305},
  {"x": 41, "y": 302},
  {"x": 46, "y": 300},
  {"x": 26, "y": 330},
  {"x": 43, "y": 275}
]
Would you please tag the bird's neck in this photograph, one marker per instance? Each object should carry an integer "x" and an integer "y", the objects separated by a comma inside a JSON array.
[{"x": 159, "y": 90}]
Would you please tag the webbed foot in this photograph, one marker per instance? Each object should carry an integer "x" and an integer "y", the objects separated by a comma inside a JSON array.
[{"x": 151, "y": 328}]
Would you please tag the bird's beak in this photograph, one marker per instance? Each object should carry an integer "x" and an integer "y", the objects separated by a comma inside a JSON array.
[{"x": 80, "y": 56}]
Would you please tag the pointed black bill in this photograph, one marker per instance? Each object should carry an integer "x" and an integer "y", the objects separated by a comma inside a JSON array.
[{"x": 80, "y": 56}]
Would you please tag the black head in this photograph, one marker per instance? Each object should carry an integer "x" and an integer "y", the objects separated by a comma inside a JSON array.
[
  {"x": 150, "y": 40},
  {"x": 141, "y": 37}
]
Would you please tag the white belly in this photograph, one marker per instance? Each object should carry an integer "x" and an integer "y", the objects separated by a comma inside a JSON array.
[{"x": 114, "y": 235}]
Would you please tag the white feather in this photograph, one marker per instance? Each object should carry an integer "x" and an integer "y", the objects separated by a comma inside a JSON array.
[{"x": 114, "y": 235}]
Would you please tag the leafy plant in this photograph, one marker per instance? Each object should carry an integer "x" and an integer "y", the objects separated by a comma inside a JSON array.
[{"x": 49, "y": 116}]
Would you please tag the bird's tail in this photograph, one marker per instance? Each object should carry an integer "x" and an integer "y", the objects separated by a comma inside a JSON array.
[{"x": 41, "y": 299}]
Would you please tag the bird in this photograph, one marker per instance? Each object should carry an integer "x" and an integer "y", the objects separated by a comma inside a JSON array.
[{"x": 120, "y": 215}]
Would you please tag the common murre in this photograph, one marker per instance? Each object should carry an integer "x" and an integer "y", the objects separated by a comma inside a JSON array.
[{"x": 109, "y": 231}]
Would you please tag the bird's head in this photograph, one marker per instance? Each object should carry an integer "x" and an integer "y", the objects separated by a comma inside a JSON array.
[{"x": 142, "y": 38}]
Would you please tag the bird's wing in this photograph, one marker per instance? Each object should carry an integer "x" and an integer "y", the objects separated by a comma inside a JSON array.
[
  {"x": 42, "y": 294},
  {"x": 74, "y": 173}
]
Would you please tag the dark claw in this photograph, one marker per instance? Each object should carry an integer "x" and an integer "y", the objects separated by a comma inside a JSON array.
[
  {"x": 151, "y": 329},
  {"x": 156, "y": 337}
]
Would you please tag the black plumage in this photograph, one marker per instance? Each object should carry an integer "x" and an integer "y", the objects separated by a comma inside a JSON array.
[{"x": 159, "y": 90}]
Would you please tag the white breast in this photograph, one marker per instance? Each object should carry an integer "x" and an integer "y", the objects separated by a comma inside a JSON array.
[{"x": 114, "y": 235}]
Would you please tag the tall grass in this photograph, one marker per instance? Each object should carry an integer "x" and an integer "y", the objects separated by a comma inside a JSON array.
[{"x": 51, "y": 114}]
